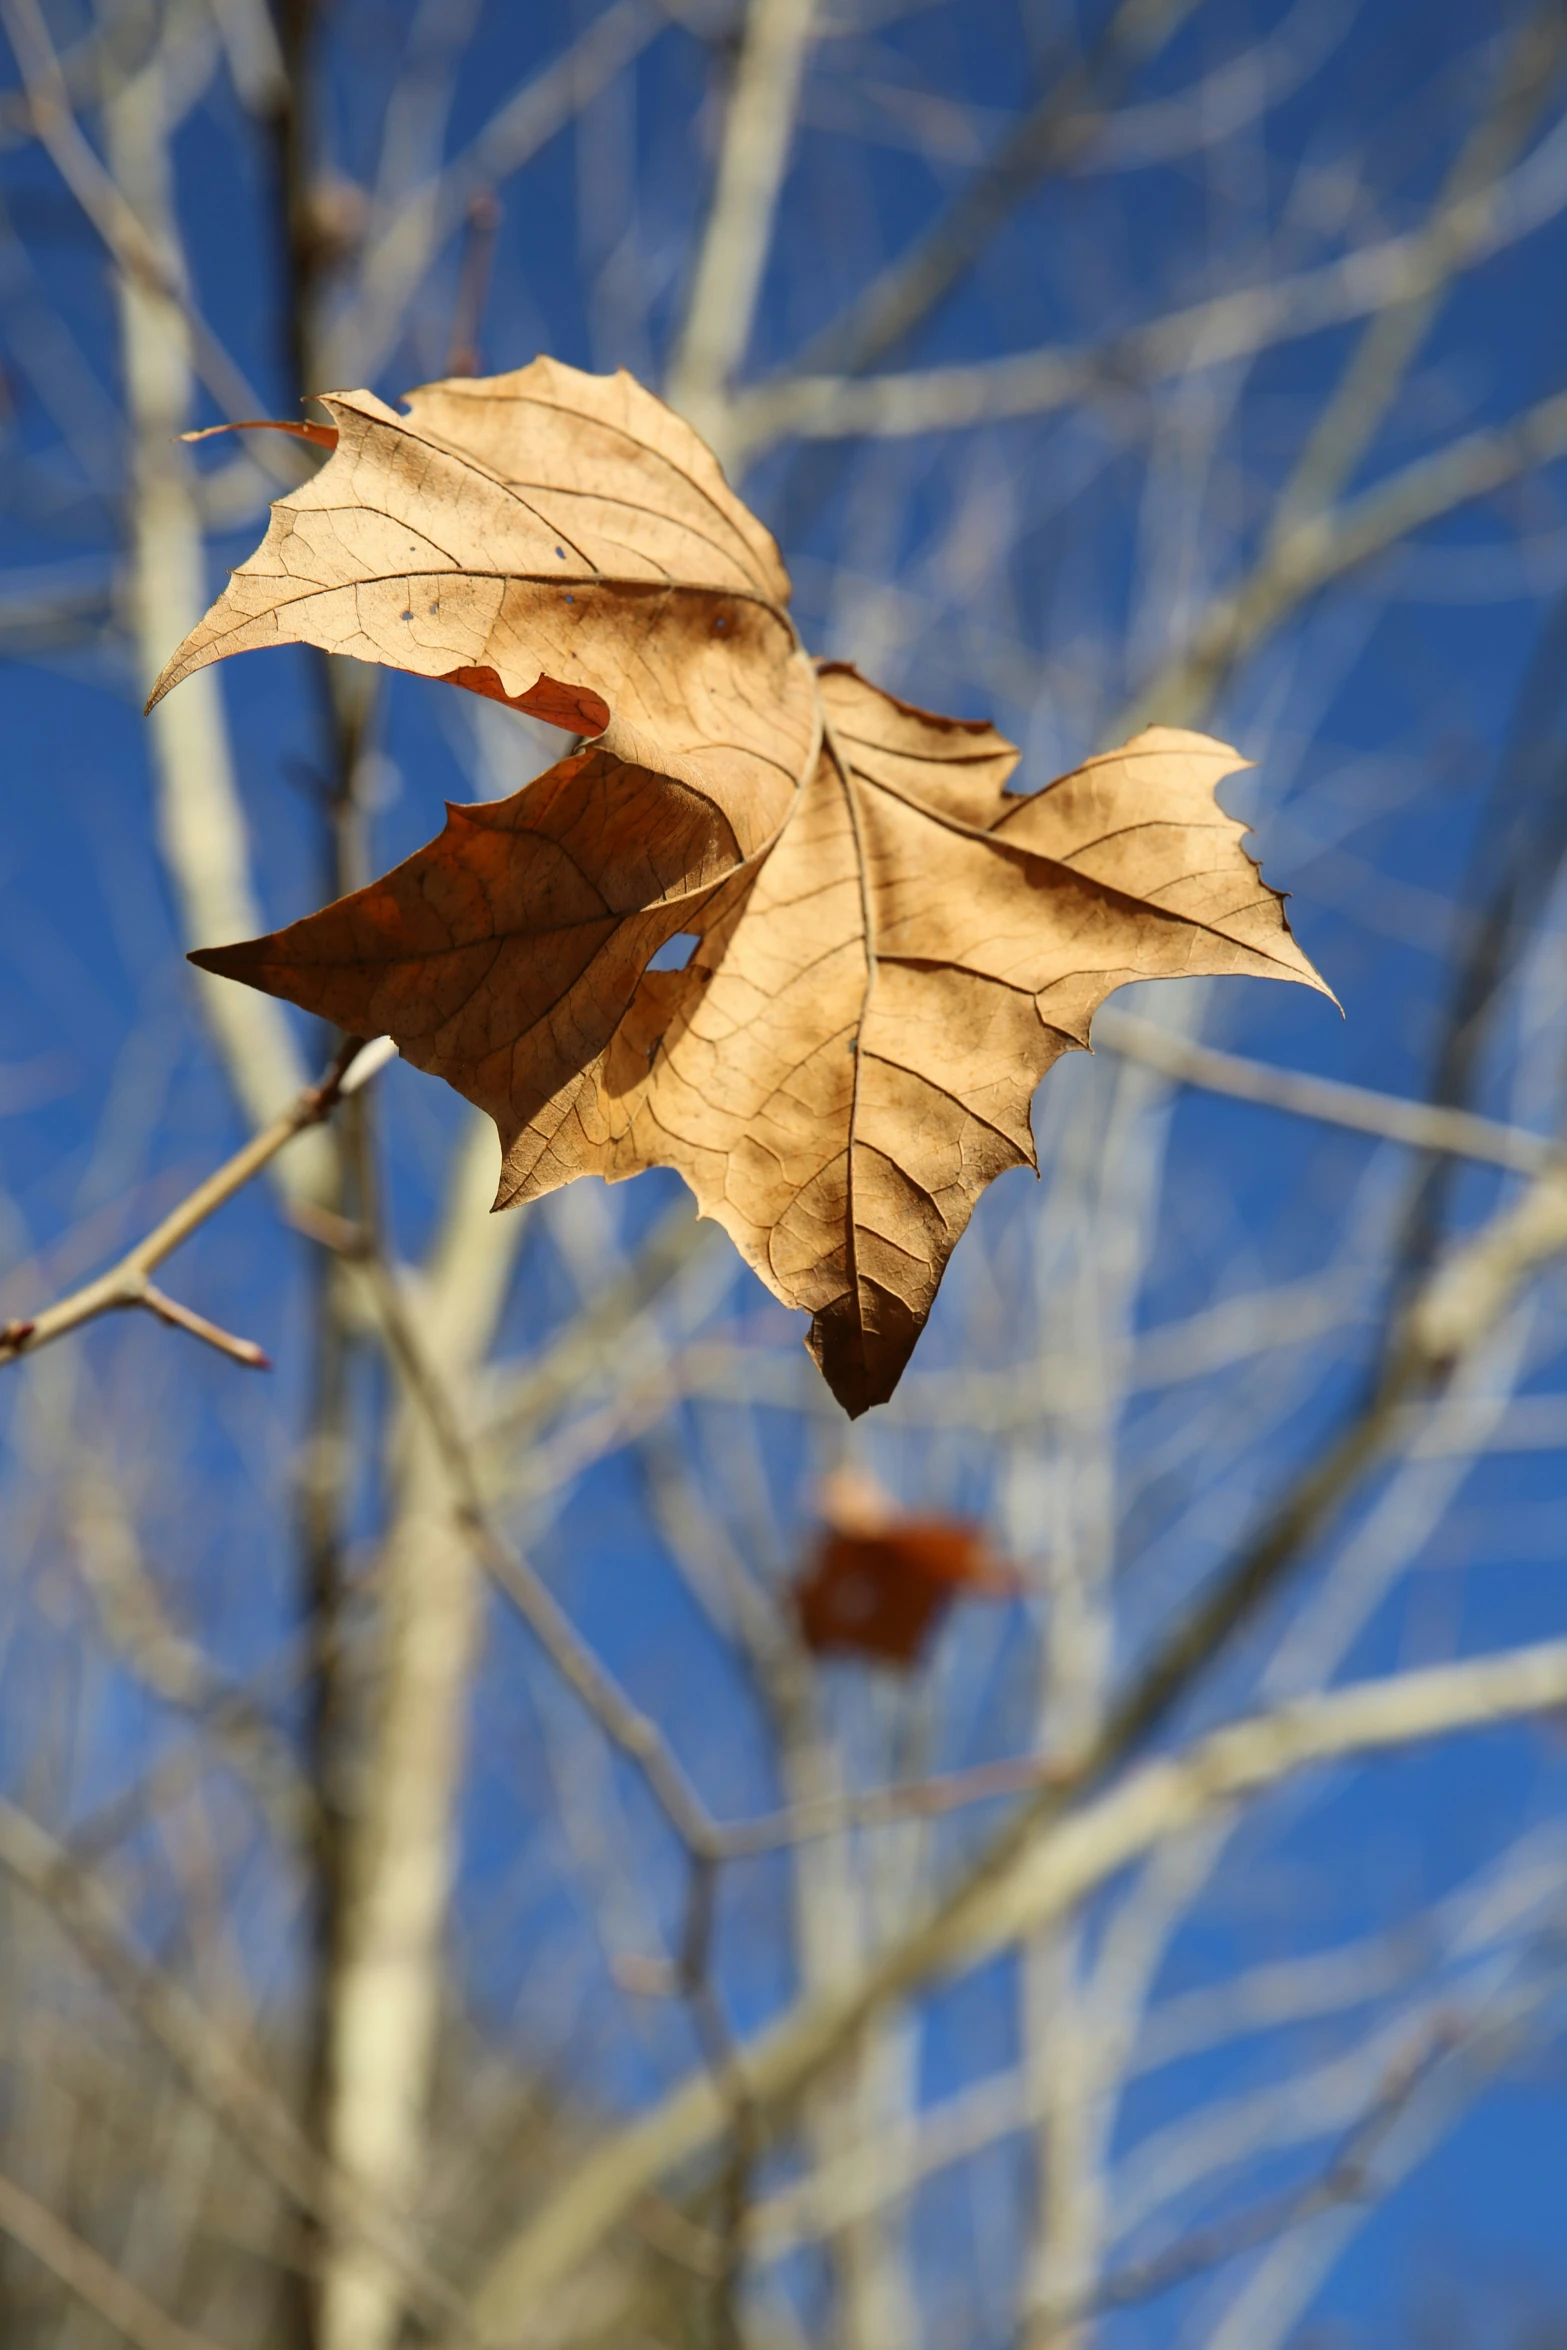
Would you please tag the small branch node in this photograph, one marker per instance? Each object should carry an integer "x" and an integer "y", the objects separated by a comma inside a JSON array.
[
  {"x": 319, "y": 1103},
  {"x": 169, "y": 1309}
]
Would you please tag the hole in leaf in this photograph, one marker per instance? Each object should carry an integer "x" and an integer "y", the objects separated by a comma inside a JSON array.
[{"x": 676, "y": 952}]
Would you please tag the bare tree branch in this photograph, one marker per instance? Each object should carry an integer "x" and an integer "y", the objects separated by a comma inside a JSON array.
[
  {"x": 128, "y": 1284},
  {"x": 1074, "y": 1431},
  {"x": 1463, "y": 210},
  {"x": 398, "y": 254},
  {"x": 200, "y": 821},
  {"x": 1461, "y": 1133},
  {"x": 758, "y": 128},
  {"x": 1165, "y": 1797},
  {"x": 1325, "y": 547},
  {"x": 214, "y": 2071},
  {"x": 1507, "y": 1251},
  {"x": 170, "y": 1663},
  {"x": 1347, "y": 2178},
  {"x": 1048, "y": 1878},
  {"x": 388, "y": 1981},
  {"x": 1397, "y": 277},
  {"x": 84, "y": 2272},
  {"x": 623, "y": 1723},
  {"x": 135, "y": 251},
  {"x": 1052, "y": 134},
  {"x": 1307, "y": 541}
]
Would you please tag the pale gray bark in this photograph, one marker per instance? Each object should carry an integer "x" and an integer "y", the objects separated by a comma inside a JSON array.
[{"x": 201, "y": 823}]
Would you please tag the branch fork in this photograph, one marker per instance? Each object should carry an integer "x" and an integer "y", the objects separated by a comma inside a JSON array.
[{"x": 129, "y": 1284}]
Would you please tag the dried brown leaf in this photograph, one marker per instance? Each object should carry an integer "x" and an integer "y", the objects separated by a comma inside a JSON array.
[
  {"x": 891, "y": 949},
  {"x": 544, "y": 526},
  {"x": 881, "y": 1579}
]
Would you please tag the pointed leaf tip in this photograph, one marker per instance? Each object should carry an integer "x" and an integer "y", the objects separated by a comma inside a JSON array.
[{"x": 225, "y": 962}]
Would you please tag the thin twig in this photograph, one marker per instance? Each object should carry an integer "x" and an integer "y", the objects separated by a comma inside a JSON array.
[
  {"x": 133, "y": 250},
  {"x": 103, "y": 2288},
  {"x": 1368, "y": 386},
  {"x": 1325, "y": 547},
  {"x": 1388, "y": 276},
  {"x": 169, "y": 1663},
  {"x": 1460, "y": 1133},
  {"x": 1049, "y": 136},
  {"x": 635, "y": 1733},
  {"x": 473, "y": 285},
  {"x": 905, "y": 1799},
  {"x": 397, "y": 255},
  {"x": 128, "y": 1283},
  {"x": 1308, "y": 540},
  {"x": 213, "y": 2070},
  {"x": 632, "y": 1731},
  {"x": 758, "y": 128},
  {"x": 596, "y": 1338},
  {"x": 1346, "y": 2178}
]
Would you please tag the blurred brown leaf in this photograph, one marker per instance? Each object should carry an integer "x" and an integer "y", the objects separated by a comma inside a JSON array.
[
  {"x": 890, "y": 951},
  {"x": 881, "y": 1581}
]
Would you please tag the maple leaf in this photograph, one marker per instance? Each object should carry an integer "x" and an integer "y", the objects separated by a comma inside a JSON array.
[{"x": 891, "y": 949}]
